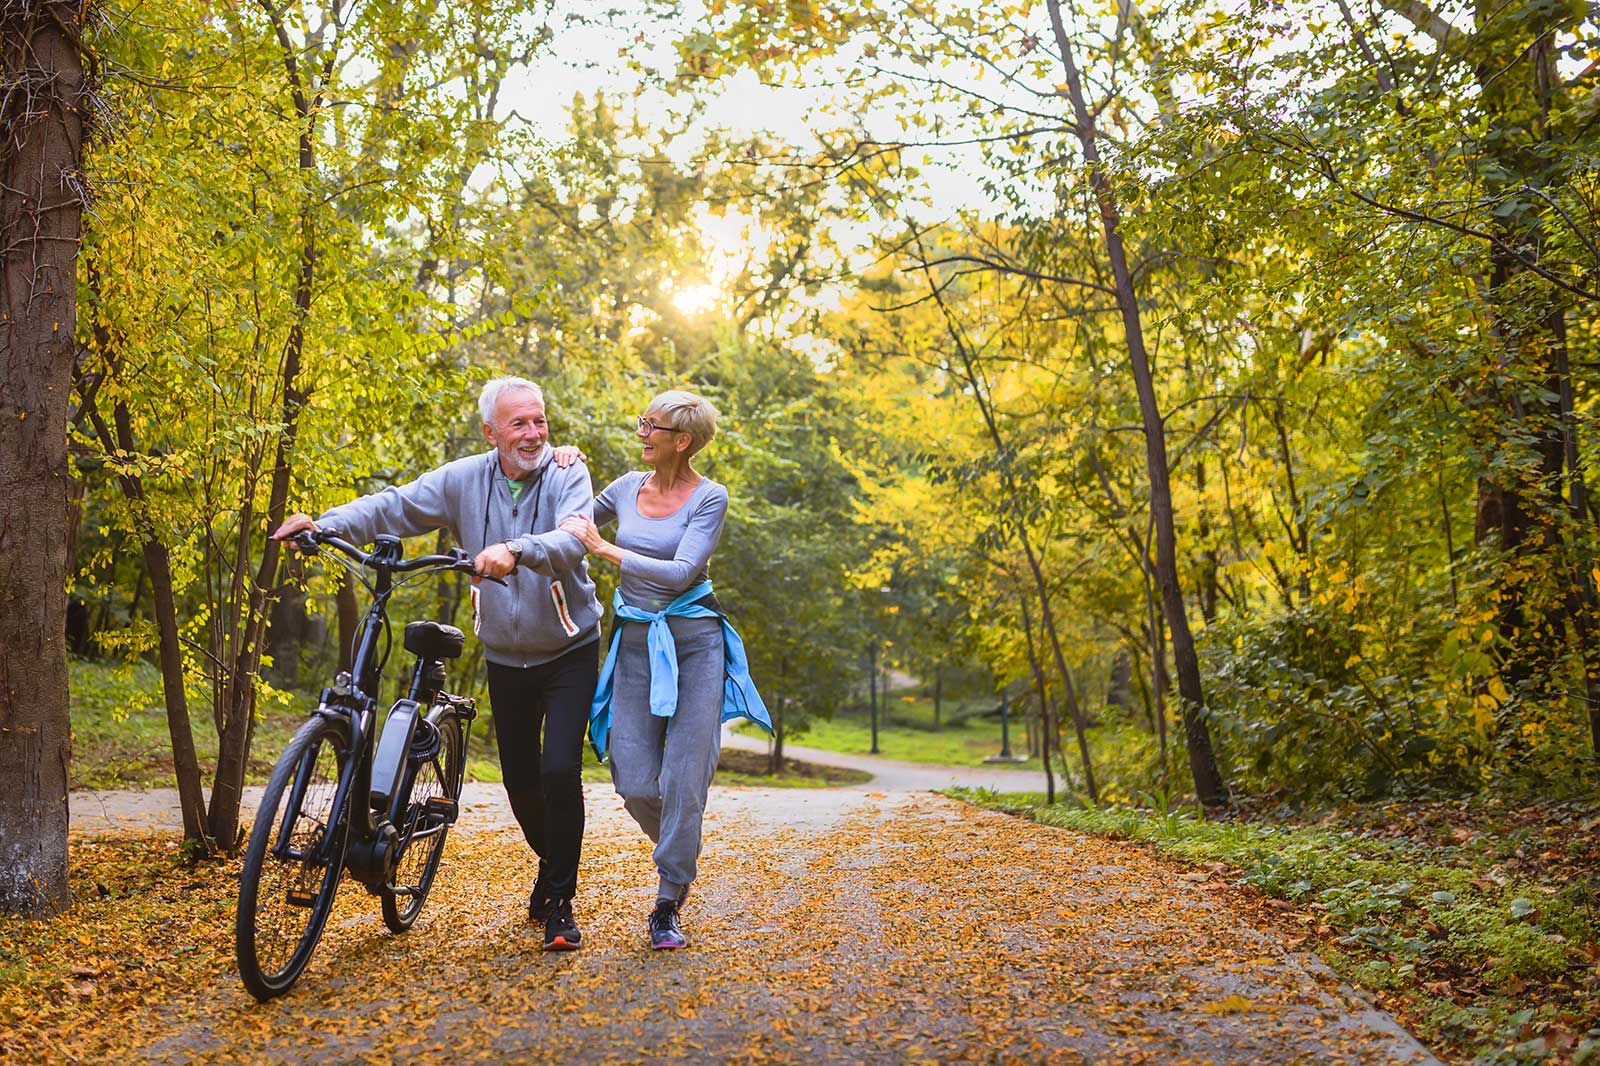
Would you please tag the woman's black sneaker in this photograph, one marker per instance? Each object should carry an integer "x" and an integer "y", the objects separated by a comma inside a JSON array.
[
  {"x": 561, "y": 933},
  {"x": 664, "y": 931}
]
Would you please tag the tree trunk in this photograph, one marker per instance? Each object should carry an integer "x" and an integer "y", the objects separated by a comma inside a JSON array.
[
  {"x": 42, "y": 103},
  {"x": 1515, "y": 67},
  {"x": 1581, "y": 596},
  {"x": 775, "y": 752},
  {"x": 233, "y": 748},
  {"x": 237, "y": 714},
  {"x": 1020, "y": 527},
  {"x": 158, "y": 564},
  {"x": 1118, "y": 691},
  {"x": 1044, "y": 707},
  {"x": 1208, "y": 781}
]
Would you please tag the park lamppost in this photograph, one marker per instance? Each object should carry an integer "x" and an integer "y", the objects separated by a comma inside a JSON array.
[
  {"x": 1005, "y": 732},
  {"x": 872, "y": 672},
  {"x": 872, "y": 682},
  {"x": 1005, "y": 725}
]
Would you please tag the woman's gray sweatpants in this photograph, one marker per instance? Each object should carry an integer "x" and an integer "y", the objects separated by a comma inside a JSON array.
[{"x": 662, "y": 767}]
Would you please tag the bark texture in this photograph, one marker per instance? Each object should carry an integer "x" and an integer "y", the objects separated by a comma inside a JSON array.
[{"x": 41, "y": 204}]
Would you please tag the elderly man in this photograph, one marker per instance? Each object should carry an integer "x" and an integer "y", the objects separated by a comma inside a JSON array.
[{"x": 540, "y": 632}]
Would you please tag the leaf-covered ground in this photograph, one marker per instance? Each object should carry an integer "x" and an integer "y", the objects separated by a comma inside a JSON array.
[
  {"x": 1472, "y": 919},
  {"x": 826, "y": 927}
]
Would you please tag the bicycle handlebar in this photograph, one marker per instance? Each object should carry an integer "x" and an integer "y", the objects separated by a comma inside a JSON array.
[{"x": 308, "y": 541}]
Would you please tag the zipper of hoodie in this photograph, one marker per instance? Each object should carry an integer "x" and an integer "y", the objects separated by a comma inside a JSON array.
[{"x": 516, "y": 601}]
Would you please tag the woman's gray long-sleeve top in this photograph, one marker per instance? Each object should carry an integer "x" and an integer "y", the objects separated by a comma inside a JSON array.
[{"x": 662, "y": 557}]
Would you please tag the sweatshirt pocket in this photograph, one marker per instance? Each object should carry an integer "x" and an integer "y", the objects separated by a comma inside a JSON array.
[{"x": 558, "y": 596}]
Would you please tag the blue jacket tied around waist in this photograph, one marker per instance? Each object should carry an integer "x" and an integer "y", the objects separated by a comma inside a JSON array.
[{"x": 739, "y": 696}]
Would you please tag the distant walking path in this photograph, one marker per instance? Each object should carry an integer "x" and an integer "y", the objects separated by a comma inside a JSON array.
[
  {"x": 157, "y": 808},
  {"x": 889, "y": 775}
]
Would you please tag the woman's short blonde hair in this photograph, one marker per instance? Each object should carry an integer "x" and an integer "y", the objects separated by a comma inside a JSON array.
[{"x": 688, "y": 413}]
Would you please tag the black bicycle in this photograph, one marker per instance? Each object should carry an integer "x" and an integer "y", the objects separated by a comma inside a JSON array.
[{"x": 343, "y": 798}]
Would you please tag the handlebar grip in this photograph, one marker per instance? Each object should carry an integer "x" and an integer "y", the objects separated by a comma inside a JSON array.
[{"x": 502, "y": 582}]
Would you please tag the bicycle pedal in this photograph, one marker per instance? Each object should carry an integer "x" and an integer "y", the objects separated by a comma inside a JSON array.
[
  {"x": 443, "y": 808},
  {"x": 299, "y": 897}
]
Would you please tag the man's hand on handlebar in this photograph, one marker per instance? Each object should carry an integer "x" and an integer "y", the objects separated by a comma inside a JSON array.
[
  {"x": 495, "y": 561},
  {"x": 295, "y": 523}
]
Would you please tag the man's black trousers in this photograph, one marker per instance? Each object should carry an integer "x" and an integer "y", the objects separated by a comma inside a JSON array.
[{"x": 544, "y": 774}]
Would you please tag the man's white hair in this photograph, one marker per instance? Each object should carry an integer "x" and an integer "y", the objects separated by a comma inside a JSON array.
[{"x": 495, "y": 388}]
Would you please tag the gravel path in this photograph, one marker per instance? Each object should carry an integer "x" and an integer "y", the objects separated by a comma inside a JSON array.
[
  {"x": 889, "y": 775},
  {"x": 828, "y": 926}
]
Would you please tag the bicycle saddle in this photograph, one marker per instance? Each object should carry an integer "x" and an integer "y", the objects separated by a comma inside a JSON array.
[{"x": 434, "y": 640}]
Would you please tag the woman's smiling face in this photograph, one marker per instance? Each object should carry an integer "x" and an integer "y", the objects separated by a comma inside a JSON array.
[{"x": 657, "y": 437}]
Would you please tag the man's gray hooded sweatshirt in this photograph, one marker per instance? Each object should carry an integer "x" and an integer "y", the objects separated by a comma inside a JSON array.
[{"x": 548, "y": 606}]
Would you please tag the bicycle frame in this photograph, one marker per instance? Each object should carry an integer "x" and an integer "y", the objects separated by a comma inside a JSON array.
[{"x": 368, "y": 844}]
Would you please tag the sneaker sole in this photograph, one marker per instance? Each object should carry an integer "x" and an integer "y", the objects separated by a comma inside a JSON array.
[
  {"x": 667, "y": 947},
  {"x": 561, "y": 943}
]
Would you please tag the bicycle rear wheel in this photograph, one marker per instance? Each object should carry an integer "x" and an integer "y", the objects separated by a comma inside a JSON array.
[
  {"x": 434, "y": 786},
  {"x": 294, "y": 859}
]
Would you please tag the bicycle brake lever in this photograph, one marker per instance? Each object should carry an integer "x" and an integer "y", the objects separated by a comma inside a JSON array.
[
  {"x": 305, "y": 542},
  {"x": 502, "y": 582}
]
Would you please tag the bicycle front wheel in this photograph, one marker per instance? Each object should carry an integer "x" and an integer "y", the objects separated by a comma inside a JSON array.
[
  {"x": 294, "y": 859},
  {"x": 434, "y": 787}
]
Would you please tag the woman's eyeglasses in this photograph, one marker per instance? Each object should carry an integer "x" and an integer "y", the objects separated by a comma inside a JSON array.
[{"x": 648, "y": 426}]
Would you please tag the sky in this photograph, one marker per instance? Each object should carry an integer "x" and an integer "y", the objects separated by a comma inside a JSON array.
[{"x": 585, "y": 58}]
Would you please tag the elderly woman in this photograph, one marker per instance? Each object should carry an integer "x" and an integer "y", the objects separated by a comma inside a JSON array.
[{"x": 676, "y": 669}]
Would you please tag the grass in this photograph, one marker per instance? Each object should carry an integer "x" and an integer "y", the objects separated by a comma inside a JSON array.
[
  {"x": 906, "y": 732},
  {"x": 120, "y": 738},
  {"x": 1474, "y": 922}
]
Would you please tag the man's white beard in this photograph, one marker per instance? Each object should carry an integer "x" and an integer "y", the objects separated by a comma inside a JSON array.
[{"x": 523, "y": 465}]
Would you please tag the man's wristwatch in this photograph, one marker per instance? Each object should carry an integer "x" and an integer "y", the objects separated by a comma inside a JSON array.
[{"x": 515, "y": 548}]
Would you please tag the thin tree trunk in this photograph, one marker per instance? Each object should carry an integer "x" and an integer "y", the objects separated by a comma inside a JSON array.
[
  {"x": 1582, "y": 598},
  {"x": 41, "y": 203},
  {"x": 158, "y": 564},
  {"x": 1044, "y": 706},
  {"x": 775, "y": 752},
  {"x": 1208, "y": 781},
  {"x": 1020, "y": 527},
  {"x": 239, "y": 715},
  {"x": 234, "y": 744},
  {"x": 1208, "y": 553}
]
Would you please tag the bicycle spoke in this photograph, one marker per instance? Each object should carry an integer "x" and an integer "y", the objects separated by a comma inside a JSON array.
[
  {"x": 418, "y": 829},
  {"x": 424, "y": 824},
  {"x": 292, "y": 874}
]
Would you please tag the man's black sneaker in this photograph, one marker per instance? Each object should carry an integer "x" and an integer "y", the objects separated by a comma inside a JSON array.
[
  {"x": 664, "y": 931},
  {"x": 561, "y": 933},
  {"x": 539, "y": 900}
]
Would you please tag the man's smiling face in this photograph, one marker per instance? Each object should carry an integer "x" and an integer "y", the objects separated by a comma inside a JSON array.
[{"x": 518, "y": 432}]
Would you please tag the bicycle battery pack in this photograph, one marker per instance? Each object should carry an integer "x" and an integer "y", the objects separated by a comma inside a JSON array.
[{"x": 389, "y": 764}]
